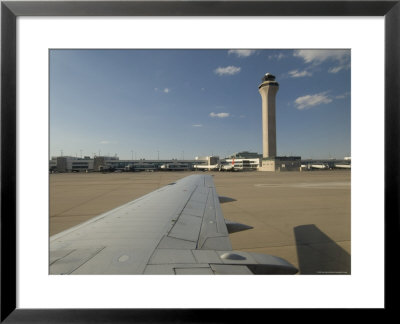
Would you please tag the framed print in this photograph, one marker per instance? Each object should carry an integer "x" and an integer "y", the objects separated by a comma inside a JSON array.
[{"x": 37, "y": 33}]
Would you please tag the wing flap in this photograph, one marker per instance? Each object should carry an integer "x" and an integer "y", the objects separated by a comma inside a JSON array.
[
  {"x": 173, "y": 269},
  {"x": 206, "y": 256},
  {"x": 172, "y": 256},
  {"x": 230, "y": 269},
  {"x": 193, "y": 271}
]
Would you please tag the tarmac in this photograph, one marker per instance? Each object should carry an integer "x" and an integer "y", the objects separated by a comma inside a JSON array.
[{"x": 303, "y": 217}]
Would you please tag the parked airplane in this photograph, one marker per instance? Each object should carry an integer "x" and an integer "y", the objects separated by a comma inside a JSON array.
[
  {"x": 175, "y": 167},
  {"x": 319, "y": 166},
  {"x": 227, "y": 166},
  {"x": 343, "y": 166},
  {"x": 204, "y": 167},
  {"x": 177, "y": 229}
]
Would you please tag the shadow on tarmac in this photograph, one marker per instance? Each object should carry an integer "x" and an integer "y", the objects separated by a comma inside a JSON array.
[
  {"x": 223, "y": 199},
  {"x": 319, "y": 254}
]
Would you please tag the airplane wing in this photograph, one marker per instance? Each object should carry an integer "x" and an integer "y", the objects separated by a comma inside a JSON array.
[{"x": 177, "y": 229}]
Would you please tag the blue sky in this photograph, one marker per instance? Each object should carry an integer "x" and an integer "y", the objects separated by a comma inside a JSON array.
[{"x": 185, "y": 103}]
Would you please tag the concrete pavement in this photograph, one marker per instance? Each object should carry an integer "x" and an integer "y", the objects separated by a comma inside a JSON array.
[{"x": 303, "y": 217}]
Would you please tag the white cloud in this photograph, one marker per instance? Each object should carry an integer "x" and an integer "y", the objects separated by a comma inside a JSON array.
[
  {"x": 197, "y": 125},
  {"x": 308, "y": 101},
  {"x": 318, "y": 56},
  {"x": 165, "y": 90},
  {"x": 339, "y": 68},
  {"x": 219, "y": 115},
  {"x": 299, "y": 74},
  {"x": 242, "y": 53},
  {"x": 108, "y": 142},
  {"x": 229, "y": 70},
  {"x": 342, "y": 96},
  {"x": 277, "y": 56}
]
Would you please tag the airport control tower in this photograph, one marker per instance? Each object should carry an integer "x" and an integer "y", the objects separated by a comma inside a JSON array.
[
  {"x": 270, "y": 161},
  {"x": 268, "y": 89}
]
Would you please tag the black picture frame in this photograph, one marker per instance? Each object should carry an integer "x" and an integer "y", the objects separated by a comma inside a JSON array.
[{"x": 10, "y": 10}]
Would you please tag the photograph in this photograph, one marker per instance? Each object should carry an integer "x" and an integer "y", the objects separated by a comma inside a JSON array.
[
  {"x": 199, "y": 161},
  {"x": 146, "y": 140}
]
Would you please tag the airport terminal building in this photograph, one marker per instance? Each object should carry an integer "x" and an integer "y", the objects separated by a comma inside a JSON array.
[
  {"x": 70, "y": 164},
  {"x": 245, "y": 160},
  {"x": 113, "y": 163},
  {"x": 281, "y": 163},
  {"x": 242, "y": 161}
]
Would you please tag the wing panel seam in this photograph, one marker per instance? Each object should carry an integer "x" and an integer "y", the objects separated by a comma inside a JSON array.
[
  {"x": 62, "y": 257},
  {"x": 88, "y": 259},
  {"x": 180, "y": 213},
  {"x": 202, "y": 220},
  {"x": 167, "y": 234}
]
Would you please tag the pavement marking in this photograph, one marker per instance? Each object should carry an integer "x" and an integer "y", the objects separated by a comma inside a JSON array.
[{"x": 306, "y": 185}]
